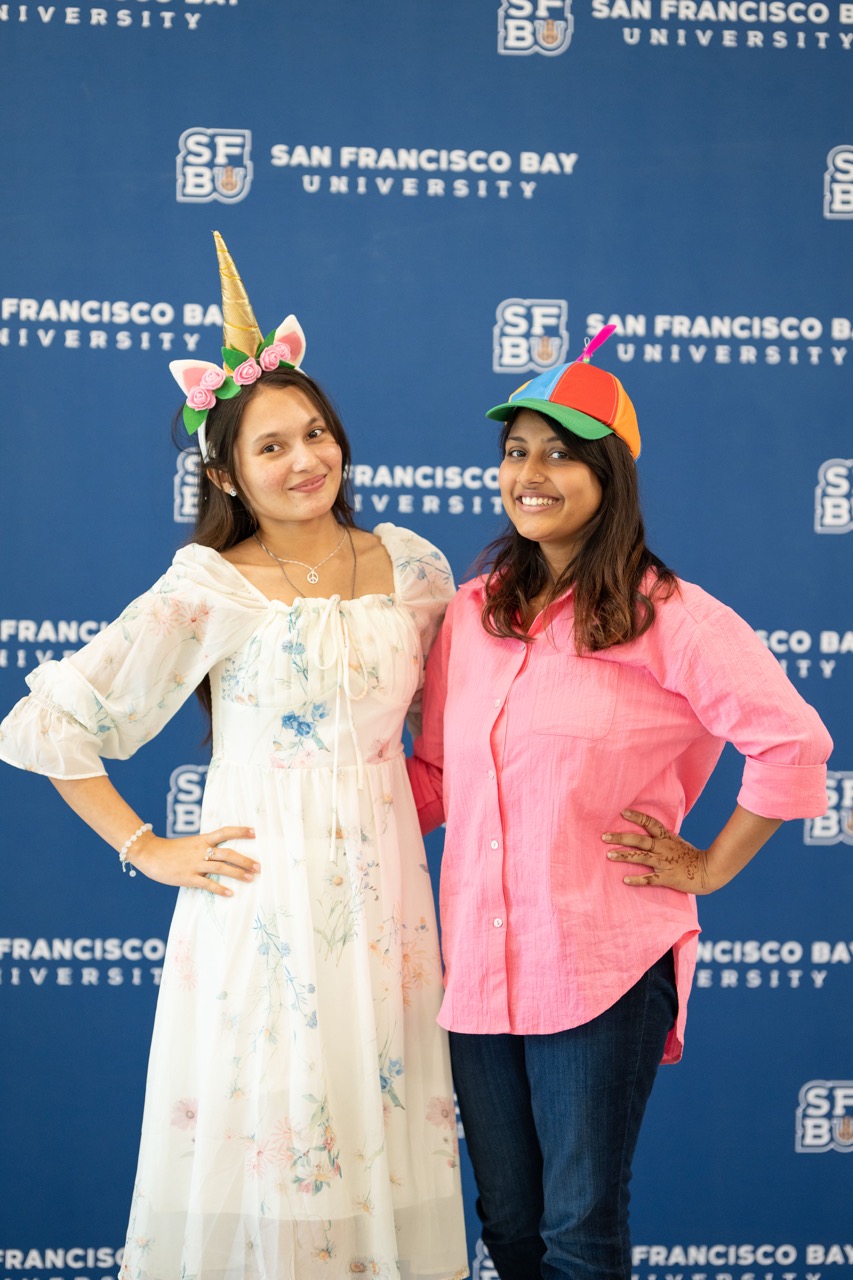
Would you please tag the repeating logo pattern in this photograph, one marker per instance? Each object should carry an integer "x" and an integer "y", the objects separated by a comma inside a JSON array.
[
  {"x": 836, "y": 825},
  {"x": 717, "y": 25},
  {"x": 214, "y": 164},
  {"x": 185, "y": 506},
  {"x": 66, "y": 963},
  {"x": 535, "y": 26},
  {"x": 838, "y": 183},
  {"x": 530, "y": 333},
  {"x": 183, "y": 803},
  {"x": 833, "y": 498},
  {"x": 52, "y": 1259},
  {"x": 482, "y": 1267},
  {"x": 825, "y": 1116}
]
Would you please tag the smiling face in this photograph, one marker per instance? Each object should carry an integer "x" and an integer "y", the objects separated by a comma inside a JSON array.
[
  {"x": 549, "y": 495},
  {"x": 287, "y": 462}
]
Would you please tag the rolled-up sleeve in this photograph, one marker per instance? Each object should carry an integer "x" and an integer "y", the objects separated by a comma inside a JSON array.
[{"x": 740, "y": 693}]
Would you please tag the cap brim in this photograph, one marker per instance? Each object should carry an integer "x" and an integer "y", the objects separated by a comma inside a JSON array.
[{"x": 580, "y": 424}]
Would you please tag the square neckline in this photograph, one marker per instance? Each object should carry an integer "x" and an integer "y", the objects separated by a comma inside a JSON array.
[{"x": 393, "y": 596}]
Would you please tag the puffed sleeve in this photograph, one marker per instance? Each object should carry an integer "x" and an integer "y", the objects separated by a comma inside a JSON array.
[
  {"x": 120, "y": 690},
  {"x": 741, "y": 694},
  {"x": 425, "y": 587}
]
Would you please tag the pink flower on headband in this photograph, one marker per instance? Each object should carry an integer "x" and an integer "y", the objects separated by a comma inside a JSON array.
[
  {"x": 200, "y": 398},
  {"x": 212, "y": 378},
  {"x": 247, "y": 373},
  {"x": 272, "y": 356}
]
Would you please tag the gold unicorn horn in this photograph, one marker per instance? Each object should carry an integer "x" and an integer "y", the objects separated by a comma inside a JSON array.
[{"x": 239, "y": 326}]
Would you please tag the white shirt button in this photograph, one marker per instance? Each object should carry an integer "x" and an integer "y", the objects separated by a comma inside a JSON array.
[
  {"x": 497, "y": 702},
  {"x": 494, "y": 844},
  {"x": 497, "y": 922},
  {"x": 491, "y": 773}
]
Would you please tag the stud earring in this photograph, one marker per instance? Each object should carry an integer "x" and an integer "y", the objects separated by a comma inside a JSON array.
[{"x": 232, "y": 492}]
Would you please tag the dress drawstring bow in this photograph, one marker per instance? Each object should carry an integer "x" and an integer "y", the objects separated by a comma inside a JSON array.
[{"x": 333, "y": 625}]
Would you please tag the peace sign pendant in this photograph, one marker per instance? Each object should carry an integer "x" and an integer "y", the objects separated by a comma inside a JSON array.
[{"x": 313, "y": 576}]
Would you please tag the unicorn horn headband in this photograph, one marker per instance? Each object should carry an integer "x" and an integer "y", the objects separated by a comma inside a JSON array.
[{"x": 246, "y": 353}]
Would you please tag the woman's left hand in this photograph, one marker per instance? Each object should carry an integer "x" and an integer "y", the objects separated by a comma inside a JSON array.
[{"x": 674, "y": 863}]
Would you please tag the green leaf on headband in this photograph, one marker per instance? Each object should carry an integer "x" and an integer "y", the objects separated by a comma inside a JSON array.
[
  {"x": 233, "y": 357},
  {"x": 267, "y": 342},
  {"x": 228, "y": 390},
  {"x": 193, "y": 419}
]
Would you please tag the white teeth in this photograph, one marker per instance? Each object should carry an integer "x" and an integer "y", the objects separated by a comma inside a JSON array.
[{"x": 536, "y": 502}]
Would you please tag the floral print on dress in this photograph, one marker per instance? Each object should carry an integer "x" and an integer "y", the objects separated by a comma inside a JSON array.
[
  {"x": 409, "y": 951},
  {"x": 298, "y": 738},
  {"x": 295, "y": 1052},
  {"x": 168, "y": 612},
  {"x": 441, "y": 1112},
  {"x": 185, "y": 1113},
  {"x": 294, "y": 645},
  {"x": 341, "y": 905},
  {"x": 418, "y": 968},
  {"x": 239, "y": 680},
  {"x": 282, "y": 984},
  {"x": 390, "y": 1071},
  {"x": 183, "y": 968},
  {"x": 138, "y": 1244},
  {"x": 310, "y": 1154},
  {"x": 369, "y": 1267},
  {"x": 430, "y": 567}
]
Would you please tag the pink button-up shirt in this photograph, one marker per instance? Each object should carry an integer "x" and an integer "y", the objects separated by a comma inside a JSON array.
[{"x": 530, "y": 752}]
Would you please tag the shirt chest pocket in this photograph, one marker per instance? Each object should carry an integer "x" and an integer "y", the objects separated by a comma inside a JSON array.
[{"x": 574, "y": 697}]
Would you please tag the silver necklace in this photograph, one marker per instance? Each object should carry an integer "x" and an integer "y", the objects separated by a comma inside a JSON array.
[
  {"x": 313, "y": 568},
  {"x": 313, "y": 575}
]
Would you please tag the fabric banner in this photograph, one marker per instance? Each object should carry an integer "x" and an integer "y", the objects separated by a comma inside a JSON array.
[{"x": 451, "y": 197}]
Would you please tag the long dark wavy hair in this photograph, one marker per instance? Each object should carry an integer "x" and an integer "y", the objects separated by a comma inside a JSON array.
[
  {"x": 223, "y": 521},
  {"x": 613, "y": 602}
]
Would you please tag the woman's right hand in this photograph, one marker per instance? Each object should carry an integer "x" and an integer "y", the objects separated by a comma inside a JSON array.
[{"x": 189, "y": 861}]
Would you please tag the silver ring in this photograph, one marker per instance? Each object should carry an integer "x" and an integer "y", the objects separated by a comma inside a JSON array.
[{"x": 210, "y": 854}]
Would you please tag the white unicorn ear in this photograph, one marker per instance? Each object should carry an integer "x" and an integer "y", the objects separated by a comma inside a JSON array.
[
  {"x": 289, "y": 334},
  {"x": 188, "y": 373}
]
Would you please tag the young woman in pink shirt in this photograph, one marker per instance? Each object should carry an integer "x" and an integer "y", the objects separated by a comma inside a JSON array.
[{"x": 576, "y": 702}]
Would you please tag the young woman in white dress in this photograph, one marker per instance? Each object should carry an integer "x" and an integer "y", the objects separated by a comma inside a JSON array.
[{"x": 299, "y": 1116}]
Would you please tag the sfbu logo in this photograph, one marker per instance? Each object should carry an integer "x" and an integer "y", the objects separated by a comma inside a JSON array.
[
  {"x": 530, "y": 333},
  {"x": 483, "y": 1268},
  {"x": 825, "y": 1116},
  {"x": 214, "y": 164},
  {"x": 183, "y": 803},
  {"x": 535, "y": 26},
  {"x": 838, "y": 183},
  {"x": 833, "y": 499},
  {"x": 836, "y": 825},
  {"x": 185, "y": 486}
]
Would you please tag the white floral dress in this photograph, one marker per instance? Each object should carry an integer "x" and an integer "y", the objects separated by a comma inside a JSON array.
[{"x": 299, "y": 1115}]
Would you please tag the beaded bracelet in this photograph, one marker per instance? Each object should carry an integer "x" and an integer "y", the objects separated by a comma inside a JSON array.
[{"x": 125, "y": 848}]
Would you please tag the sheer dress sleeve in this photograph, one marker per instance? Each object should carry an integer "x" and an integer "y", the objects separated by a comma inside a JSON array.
[
  {"x": 425, "y": 587},
  {"x": 118, "y": 692}
]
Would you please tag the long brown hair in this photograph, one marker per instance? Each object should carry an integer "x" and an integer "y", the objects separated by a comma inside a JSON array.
[
  {"x": 223, "y": 521},
  {"x": 608, "y": 571}
]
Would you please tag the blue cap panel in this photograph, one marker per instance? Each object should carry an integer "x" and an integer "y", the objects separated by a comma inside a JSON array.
[{"x": 540, "y": 387}]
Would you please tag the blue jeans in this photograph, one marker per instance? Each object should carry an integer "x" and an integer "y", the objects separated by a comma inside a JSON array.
[{"x": 551, "y": 1123}]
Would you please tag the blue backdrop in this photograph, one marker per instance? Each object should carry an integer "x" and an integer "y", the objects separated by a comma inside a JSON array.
[{"x": 450, "y": 196}]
